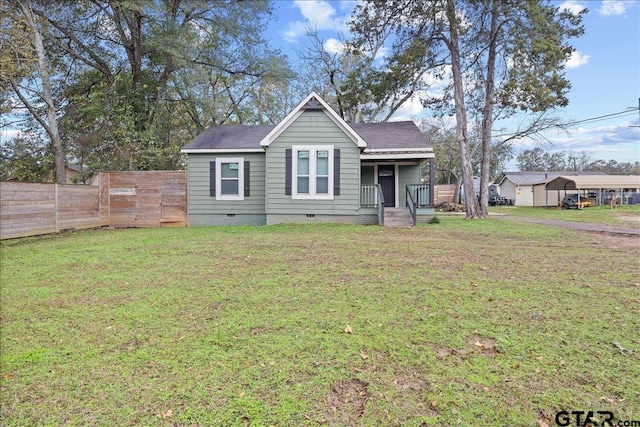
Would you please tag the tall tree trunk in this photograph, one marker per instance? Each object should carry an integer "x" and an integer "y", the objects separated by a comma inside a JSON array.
[
  {"x": 472, "y": 207},
  {"x": 130, "y": 33},
  {"x": 51, "y": 126},
  {"x": 487, "y": 112}
]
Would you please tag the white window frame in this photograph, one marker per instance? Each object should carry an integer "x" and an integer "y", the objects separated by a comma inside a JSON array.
[
  {"x": 223, "y": 160},
  {"x": 313, "y": 153}
]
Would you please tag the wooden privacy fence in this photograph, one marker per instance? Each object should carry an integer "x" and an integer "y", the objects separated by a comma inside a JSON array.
[
  {"x": 443, "y": 193},
  {"x": 116, "y": 199}
]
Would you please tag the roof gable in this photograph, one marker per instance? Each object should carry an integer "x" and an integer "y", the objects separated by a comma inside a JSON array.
[{"x": 312, "y": 102}]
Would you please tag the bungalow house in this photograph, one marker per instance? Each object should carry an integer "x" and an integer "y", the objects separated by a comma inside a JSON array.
[{"x": 311, "y": 167}]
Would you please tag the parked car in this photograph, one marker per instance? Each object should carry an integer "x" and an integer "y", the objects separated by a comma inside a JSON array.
[
  {"x": 496, "y": 199},
  {"x": 570, "y": 201}
]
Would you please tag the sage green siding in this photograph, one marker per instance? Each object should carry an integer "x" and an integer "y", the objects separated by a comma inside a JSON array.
[
  {"x": 201, "y": 203},
  {"x": 367, "y": 175},
  {"x": 313, "y": 128},
  {"x": 407, "y": 175}
]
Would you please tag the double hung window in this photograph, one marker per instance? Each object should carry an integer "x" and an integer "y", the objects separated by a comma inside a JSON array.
[
  {"x": 230, "y": 178},
  {"x": 312, "y": 172}
]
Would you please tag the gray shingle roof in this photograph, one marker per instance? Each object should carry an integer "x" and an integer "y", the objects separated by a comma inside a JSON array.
[
  {"x": 230, "y": 137},
  {"x": 388, "y": 135}
]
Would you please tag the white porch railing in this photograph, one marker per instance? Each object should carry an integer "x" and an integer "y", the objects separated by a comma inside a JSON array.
[
  {"x": 369, "y": 195},
  {"x": 420, "y": 194}
]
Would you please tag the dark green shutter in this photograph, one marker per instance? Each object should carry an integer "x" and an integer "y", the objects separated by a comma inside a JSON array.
[
  {"x": 212, "y": 178},
  {"x": 288, "y": 171},
  {"x": 336, "y": 172},
  {"x": 247, "y": 177}
]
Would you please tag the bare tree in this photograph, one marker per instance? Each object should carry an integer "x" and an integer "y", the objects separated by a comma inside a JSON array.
[{"x": 50, "y": 122}]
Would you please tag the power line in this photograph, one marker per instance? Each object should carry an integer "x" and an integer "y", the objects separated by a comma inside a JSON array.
[
  {"x": 627, "y": 111},
  {"x": 619, "y": 114}
]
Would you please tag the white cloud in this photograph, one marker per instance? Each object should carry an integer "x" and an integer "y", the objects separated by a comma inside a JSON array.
[
  {"x": 409, "y": 110},
  {"x": 318, "y": 14},
  {"x": 613, "y": 7},
  {"x": 295, "y": 30},
  {"x": 573, "y": 6},
  {"x": 577, "y": 59},
  {"x": 618, "y": 141},
  {"x": 334, "y": 46}
]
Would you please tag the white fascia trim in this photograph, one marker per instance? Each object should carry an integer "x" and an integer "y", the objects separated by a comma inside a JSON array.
[
  {"x": 298, "y": 110},
  {"x": 417, "y": 156},
  {"x": 398, "y": 150},
  {"x": 221, "y": 150}
]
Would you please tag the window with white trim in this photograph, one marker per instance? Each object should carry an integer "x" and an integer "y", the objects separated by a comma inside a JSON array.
[
  {"x": 230, "y": 178},
  {"x": 312, "y": 172}
]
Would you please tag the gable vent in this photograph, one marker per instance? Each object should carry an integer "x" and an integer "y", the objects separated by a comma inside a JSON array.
[{"x": 313, "y": 104}]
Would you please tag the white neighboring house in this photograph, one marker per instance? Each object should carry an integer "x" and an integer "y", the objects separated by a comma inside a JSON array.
[{"x": 528, "y": 188}]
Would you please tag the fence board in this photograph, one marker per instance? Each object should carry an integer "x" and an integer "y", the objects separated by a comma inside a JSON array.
[
  {"x": 116, "y": 199},
  {"x": 443, "y": 193}
]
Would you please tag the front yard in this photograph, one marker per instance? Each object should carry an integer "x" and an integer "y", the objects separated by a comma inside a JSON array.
[{"x": 458, "y": 323}]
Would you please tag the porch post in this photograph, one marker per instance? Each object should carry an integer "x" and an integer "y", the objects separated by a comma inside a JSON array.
[{"x": 432, "y": 180}]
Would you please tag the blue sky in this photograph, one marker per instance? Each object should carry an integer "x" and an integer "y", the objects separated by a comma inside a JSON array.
[{"x": 604, "y": 72}]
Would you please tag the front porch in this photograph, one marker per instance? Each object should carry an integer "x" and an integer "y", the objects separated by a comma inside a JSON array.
[{"x": 417, "y": 199}]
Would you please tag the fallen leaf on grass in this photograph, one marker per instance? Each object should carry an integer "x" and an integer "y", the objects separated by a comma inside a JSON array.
[
  {"x": 611, "y": 401},
  {"x": 363, "y": 355},
  {"x": 478, "y": 344},
  {"x": 348, "y": 329},
  {"x": 434, "y": 403},
  {"x": 167, "y": 414}
]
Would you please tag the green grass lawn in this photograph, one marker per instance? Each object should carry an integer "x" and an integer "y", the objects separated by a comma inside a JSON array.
[
  {"x": 597, "y": 214},
  {"x": 464, "y": 323}
]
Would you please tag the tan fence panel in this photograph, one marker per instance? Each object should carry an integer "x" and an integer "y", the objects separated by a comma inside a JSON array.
[
  {"x": 173, "y": 209},
  {"x": 116, "y": 199},
  {"x": 78, "y": 206},
  {"x": 122, "y": 199},
  {"x": 29, "y": 209},
  {"x": 443, "y": 193},
  {"x": 147, "y": 199}
]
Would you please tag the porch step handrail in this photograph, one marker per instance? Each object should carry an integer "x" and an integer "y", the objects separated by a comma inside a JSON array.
[
  {"x": 412, "y": 204},
  {"x": 420, "y": 193},
  {"x": 380, "y": 206}
]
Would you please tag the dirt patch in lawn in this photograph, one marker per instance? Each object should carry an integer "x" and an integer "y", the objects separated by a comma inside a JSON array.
[
  {"x": 346, "y": 402},
  {"x": 482, "y": 345},
  {"x": 618, "y": 241},
  {"x": 476, "y": 345}
]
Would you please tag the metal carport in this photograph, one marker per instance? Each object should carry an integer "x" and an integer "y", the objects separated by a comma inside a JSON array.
[{"x": 596, "y": 182}]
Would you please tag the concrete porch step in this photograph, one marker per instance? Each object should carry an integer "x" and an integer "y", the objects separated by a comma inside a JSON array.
[{"x": 397, "y": 218}]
